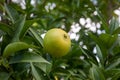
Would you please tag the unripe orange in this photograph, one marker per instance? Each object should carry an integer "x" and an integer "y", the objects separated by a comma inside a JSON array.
[{"x": 57, "y": 42}]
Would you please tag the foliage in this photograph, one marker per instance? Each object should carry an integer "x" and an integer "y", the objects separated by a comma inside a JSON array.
[{"x": 21, "y": 49}]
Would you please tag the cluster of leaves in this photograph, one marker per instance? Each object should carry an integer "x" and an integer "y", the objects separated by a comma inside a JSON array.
[{"x": 21, "y": 49}]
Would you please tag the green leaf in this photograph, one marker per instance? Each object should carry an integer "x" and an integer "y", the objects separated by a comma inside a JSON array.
[
  {"x": 114, "y": 24},
  {"x": 96, "y": 73},
  {"x": 44, "y": 67},
  {"x": 75, "y": 51},
  {"x": 99, "y": 54},
  {"x": 19, "y": 25},
  {"x": 28, "y": 57},
  {"x": 26, "y": 26},
  {"x": 113, "y": 64},
  {"x": 108, "y": 40},
  {"x": 116, "y": 31},
  {"x": 13, "y": 14},
  {"x": 35, "y": 72},
  {"x": 104, "y": 21},
  {"x": 14, "y": 47},
  {"x": 5, "y": 28},
  {"x": 116, "y": 76},
  {"x": 4, "y": 76},
  {"x": 83, "y": 51},
  {"x": 100, "y": 44},
  {"x": 37, "y": 37}
]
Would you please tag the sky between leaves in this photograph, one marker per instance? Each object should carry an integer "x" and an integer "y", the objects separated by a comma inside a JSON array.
[{"x": 75, "y": 27}]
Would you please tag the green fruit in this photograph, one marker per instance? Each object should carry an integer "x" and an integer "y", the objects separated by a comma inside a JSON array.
[{"x": 57, "y": 42}]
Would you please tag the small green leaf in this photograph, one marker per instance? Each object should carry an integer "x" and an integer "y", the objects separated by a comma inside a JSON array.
[
  {"x": 84, "y": 52},
  {"x": 37, "y": 37},
  {"x": 35, "y": 72},
  {"x": 99, "y": 54},
  {"x": 114, "y": 24},
  {"x": 108, "y": 40},
  {"x": 44, "y": 67},
  {"x": 104, "y": 20},
  {"x": 113, "y": 64},
  {"x": 116, "y": 31},
  {"x": 14, "y": 47},
  {"x": 96, "y": 73},
  {"x": 13, "y": 14},
  {"x": 5, "y": 28},
  {"x": 26, "y": 26},
  {"x": 38, "y": 73},
  {"x": 116, "y": 76},
  {"x": 100, "y": 44},
  {"x": 19, "y": 25}
]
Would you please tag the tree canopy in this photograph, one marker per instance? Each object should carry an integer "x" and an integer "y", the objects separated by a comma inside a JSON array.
[{"x": 93, "y": 27}]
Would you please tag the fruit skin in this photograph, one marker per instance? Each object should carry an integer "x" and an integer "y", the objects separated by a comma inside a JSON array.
[{"x": 57, "y": 42}]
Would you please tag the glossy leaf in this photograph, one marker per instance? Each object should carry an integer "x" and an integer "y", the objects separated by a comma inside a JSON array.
[
  {"x": 28, "y": 57},
  {"x": 14, "y": 47}
]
